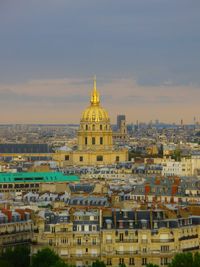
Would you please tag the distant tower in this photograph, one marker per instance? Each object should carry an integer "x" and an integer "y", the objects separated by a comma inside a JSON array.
[
  {"x": 137, "y": 125},
  {"x": 121, "y": 134},
  {"x": 181, "y": 122},
  {"x": 123, "y": 127},
  {"x": 120, "y": 119}
]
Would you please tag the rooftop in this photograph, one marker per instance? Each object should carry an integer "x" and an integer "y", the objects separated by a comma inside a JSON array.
[{"x": 44, "y": 177}]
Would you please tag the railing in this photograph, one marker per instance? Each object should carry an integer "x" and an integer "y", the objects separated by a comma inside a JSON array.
[
  {"x": 126, "y": 252},
  {"x": 188, "y": 237},
  {"x": 85, "y": 255},
  {"x": 126, "y": 240},
  {"x": 15, "y": 243},
  {"x": 86, "y": 244},
  {"x": 191, "y": 248},
  {"x": 108, "y": 253},
  {"x": 6, "y": 233},
  {"x": 144, "y": 241},
  {"x": 162, "y": 240},
  {"x": 152, "y": 252}
]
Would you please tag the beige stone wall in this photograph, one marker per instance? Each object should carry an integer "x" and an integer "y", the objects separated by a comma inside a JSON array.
[
  {"x": 53, "y": 187},
  {"x": 90, "y": 157}
]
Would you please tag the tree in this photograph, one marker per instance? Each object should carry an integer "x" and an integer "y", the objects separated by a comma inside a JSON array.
[
  {"x": 17, "y": 257},
  {"x": 60, "y": 263},
  {"x": 45, "y": 258},
  {"x": 196, "y": 259},
  {"x": 186, "y": 260},
  {"x": 98, "y": 263},
  {"x": 177, "y": 155},
  {"x": 5, "y": 263}
]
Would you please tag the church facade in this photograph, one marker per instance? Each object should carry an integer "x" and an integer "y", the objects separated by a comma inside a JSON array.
[{"x": 95, "y": 138}]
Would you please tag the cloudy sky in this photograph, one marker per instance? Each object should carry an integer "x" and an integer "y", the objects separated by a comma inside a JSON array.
[{"x": 145, "y": 53}]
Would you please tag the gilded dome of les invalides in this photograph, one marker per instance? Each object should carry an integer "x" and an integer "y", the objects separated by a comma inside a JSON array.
[{"x": 95, "y": 113}]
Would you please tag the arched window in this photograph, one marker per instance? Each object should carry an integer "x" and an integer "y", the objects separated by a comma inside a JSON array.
[
  {"x": 101, "y": 140},
  {"x": 101, "y": 127},
  {"x": 85, "y": 140},
  {"x": 93, "y": 127},
  {"x": 86, "y": 127},
  {"x": 93, "y": 140}
]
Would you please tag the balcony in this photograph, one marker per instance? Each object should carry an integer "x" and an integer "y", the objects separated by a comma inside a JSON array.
[
  {"x": 108, "y": 253},
  {"x": 13, "y": 233},
  {"x": 188, "y": 237},
  {"x": 144, "y": 241},
  {"x": 162, "y": 240},
  {"x": 126, "y": 240},
  {"x": 156, "y": 252},
  {"x": 86, "y": 244},
  {"x": 126, "y": 252},
  {"x": 15, "y": 243},
  {"x": 191, "y": 249},
  {"x": 85, "y": 255}
]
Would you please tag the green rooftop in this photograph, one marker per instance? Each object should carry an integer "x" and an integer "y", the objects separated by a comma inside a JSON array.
[{"x": 37, "y": 177}]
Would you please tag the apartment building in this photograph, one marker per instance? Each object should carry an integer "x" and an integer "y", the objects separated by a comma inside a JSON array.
[
  {"x": 117, "y": 236},
  {"x": 16, "y": 228}
]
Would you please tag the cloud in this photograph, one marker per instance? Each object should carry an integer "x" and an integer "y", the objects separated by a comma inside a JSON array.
[
  {"x": 154, "y": 40},
  {"x": 63, "y": 100}
]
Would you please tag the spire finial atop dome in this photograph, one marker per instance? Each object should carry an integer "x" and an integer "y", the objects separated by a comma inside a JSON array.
[{"x": 95, "y": 100}]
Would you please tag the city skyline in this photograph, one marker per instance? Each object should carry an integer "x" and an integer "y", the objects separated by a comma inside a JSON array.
[{"x": 144, "y": 53}]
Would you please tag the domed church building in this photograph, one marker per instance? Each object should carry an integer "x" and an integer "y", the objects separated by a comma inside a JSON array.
[{"x": 95, "y": 138}]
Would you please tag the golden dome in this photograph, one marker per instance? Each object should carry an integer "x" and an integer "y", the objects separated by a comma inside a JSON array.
[{"x": 95, "y": 113}]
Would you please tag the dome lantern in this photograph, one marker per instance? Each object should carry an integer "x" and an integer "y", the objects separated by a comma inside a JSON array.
[{"x": 95, "y": 99}]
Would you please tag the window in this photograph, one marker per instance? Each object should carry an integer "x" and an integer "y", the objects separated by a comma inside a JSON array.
[
  {"x": 144, "y": 261},
  {"x": 100, "y": 127},
  {"x": 79, "y": 241},
  {"x": 164, "y": 261},
  {"x": 101, "y": 140},
  {"x": 121, "y": 261},
  {"x": 99, "y": 158},
  {"x": 93, "y": 140},
  {"x": 121, "y": 237},
  {"x": 93, "y": 127},
  {"x": 131, "y": 261},
  {"x": 86, "y": 127},
  {"x": 81, "y": 158},
  {"x": 66, "y": 157},
  {"x": 109, "y": 261},
  {"x": 85, "y": 140},
  {"x": 86, "y": 250},
  {"x": 117, "y": 158},
  {"x": 164, "y": 248}
]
